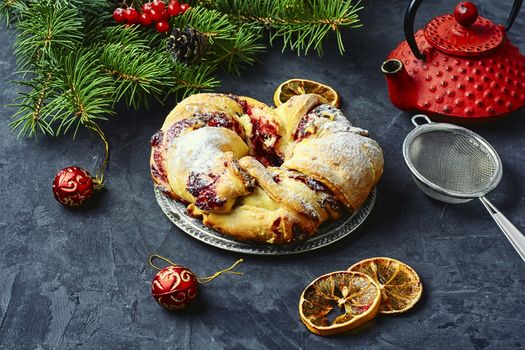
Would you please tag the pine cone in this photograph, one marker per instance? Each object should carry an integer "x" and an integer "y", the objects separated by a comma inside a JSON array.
[{"x": 188, "y": 45}]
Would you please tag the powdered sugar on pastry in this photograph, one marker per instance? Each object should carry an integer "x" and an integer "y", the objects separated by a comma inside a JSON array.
[{"x": 203, "y": 153}]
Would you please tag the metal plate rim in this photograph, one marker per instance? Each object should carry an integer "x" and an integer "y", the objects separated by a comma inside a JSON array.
[{"x": 194, "y": 228}]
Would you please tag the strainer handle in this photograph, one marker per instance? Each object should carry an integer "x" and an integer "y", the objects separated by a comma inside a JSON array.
[
  {"x": 515, "y": 237},
  {"x": 420, "y": 116}
]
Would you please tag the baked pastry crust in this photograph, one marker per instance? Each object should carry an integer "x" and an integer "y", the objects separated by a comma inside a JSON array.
[{"x": 262, "y": 174}]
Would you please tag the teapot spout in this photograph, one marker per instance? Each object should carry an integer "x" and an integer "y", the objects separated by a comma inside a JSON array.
[{"x": 400, "y": 84}]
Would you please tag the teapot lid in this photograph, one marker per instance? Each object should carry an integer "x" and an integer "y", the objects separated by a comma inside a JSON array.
[{"x": 464, "y": 33}]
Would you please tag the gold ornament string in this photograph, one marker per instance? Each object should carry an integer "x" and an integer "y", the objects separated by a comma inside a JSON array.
[
  {"x": 201, "y": 280},
  {"x": 156, "y": 256},
  {"x": 204, "y": 280},
  {"x": 99, "y": 178}
]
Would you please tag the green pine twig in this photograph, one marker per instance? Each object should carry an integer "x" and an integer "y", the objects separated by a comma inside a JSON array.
[
  {"x": 86, "y": 92},
  {"x": 77, "y": 63},
  {"x": 231, "y": 51},
  {"x": 302, "y": 25},
  {"x": 191, "y": 79},
  {"x": 139, "y": 71},
  {"x": 31, "y": 116},
  {"x": 45, "y": 30}
]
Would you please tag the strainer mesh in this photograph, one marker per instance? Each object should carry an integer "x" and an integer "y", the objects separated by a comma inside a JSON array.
[{"x": 453, "y": 160}]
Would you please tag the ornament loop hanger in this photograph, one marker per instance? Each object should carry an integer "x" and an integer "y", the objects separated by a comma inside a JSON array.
[
  {"x": 156, "y": 256},
  {"x": 100, "y": 174},
  {"x": 201, "y": 280}
]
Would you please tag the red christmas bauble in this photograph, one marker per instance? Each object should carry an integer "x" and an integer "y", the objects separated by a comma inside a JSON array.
[
  {"x": 131, "y": 15},
  {"x": 184, "y": 7},
  {"x": 145, "y": 19},
  {"x": 72, "y": 186},
  {"x": 155, "y": 15},
  {"x": 174, "y": 8},
  {"x": 158, "y": 5},
  {"x": 162, "y": 26},
  {"x": 118, "y": 15},
  {"x": 146, "y": 8},
  {"x": 174, "y": 287}
]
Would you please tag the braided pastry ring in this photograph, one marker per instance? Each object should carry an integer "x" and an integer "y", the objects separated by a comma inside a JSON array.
[{"x": 261, "y": 174}]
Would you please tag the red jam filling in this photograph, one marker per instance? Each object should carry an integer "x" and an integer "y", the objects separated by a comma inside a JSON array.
[
  {"x": 298, "y": 233},
  {"x": 157, "y": 168},
  {"x": 220, "y": 119},
  {"x": 157, "y": 138},
  {"x": 311, "y": 183},
  {"x": 203, "y": 188},
  {"x": 317, "y": 186},
  {"x": 262, "y": 131},
  {"x": 300, "y": 132},
  {"x": 178, "y": 127},
  {"x": 246, "y": 108},
  {"x": 322, "y": 111},
  {"x": 331, "y": 202},
  {"x": 276, "y": 225},
  {"x": 198, "y": 120}
]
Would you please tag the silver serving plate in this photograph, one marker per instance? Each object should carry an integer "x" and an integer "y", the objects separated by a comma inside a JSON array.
[{"x": 328, "y": 233}]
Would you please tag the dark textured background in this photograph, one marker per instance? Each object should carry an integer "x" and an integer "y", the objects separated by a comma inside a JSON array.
[{"x": 79, "y": 278}]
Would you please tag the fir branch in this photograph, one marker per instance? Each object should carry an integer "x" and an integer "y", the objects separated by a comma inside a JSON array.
[
  {"x": 46, "y": 28},
  {"x": 237, "y": 53},
  {"x": 92, "y": 7},
  {"x": 301, "y": 24},
  {"x": 79, "y": 63},
  {"x": 131, "y": 36},
  {"x": 191, "y": 79},
  {"x": 211, "y": 23},
  {"x": 11, "y": 9},
  {"x": 231, "y": 47},
  {"x": 327, "y": 16},
  {"x": 139, "y": 71},
  {"x": 87, "y": 93},
  {"x": 31, "y": 115}
]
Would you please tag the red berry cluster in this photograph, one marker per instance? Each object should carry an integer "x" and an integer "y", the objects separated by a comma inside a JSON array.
[{"x": 155, "y": 11}]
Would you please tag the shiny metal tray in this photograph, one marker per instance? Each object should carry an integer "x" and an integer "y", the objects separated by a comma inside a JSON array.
[{"x": 328, "y": 233}]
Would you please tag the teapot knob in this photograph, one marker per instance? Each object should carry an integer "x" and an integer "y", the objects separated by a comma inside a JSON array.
[{"x": 466, "y": 13}]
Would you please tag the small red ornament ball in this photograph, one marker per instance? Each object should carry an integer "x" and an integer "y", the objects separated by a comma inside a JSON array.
[
  {"x": 131, "y": 15},
  {"x": 145, "y": 19},
  {"x": 165, "y": 15},
  {"x": 72, "y": 186},
  {"x": 184, "y": 7},
  {"x": 155, "y": 15},
  {"x": 174, "y": 287},
  {"x": 158, "y": 5},
  {"x": 146, "y": 8},
  {"x": 162, "y": 26},
  {"x": 174, "y": 8},
  {"x": 118, "y": 15},
  {"x": 466, "y": 13}
]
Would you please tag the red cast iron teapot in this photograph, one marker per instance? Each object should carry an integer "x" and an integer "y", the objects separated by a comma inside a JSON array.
[{"x": 460, "y": 65}]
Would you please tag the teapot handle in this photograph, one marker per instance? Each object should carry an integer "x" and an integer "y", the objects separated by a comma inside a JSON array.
[
  {"x": 410, "y": 16},
  {"x": 516, "y": 6}
]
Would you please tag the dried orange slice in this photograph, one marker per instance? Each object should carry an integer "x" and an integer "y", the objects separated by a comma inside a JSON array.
[
  {"x": 400, "y": 285},
  {"x": 338, "y": 302},
  {"x": 295, "y": 87}
]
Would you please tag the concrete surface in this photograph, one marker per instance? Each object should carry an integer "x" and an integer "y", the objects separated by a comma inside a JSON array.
[{"x": 79, "y": 279}]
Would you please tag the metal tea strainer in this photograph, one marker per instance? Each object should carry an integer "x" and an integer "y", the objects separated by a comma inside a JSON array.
[{"x": 455, "y": 165}]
